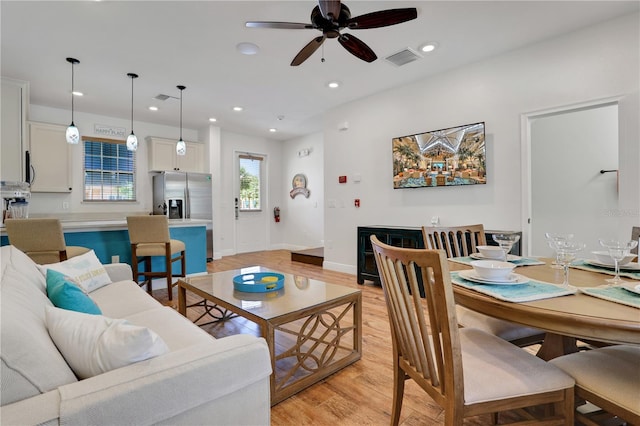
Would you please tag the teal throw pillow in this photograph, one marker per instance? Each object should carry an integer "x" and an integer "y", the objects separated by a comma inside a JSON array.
[{"x": 66, "y": 295}]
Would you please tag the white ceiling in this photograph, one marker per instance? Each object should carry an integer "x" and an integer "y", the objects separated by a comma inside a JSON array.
[{"x": 193, "y": 43}]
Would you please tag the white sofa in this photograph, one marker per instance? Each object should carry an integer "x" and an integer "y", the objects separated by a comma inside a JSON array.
[{"x": 201, "y": 380}]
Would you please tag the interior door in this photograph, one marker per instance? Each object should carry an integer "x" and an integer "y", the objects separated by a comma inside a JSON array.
[
  {"x": 250, "y": 203},
  {"x": 569, "y": 194}
]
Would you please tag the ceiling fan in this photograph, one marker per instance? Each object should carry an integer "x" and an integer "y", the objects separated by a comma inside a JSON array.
[{"x": 330, "y": 17}]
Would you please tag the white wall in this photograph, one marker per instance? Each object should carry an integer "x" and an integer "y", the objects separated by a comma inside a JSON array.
[
  {"x": 42, "y": 203},
  {"x": 302, "y": 219},
  {"x": 598, "y": 62}
]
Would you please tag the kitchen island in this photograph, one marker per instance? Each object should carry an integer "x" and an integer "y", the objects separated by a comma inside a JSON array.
[{"x": 109, "y": 238}]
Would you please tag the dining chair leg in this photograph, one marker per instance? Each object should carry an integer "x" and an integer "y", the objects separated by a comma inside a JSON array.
[{"x": 399, "y": 378}]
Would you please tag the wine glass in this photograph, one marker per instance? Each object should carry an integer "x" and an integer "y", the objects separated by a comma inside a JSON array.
[
  {"x": 506, "y": 240},
  {"x": 565, "y": 254},
  {"x": 617, "y": 250},
  {"x": 552, "y": 240}
]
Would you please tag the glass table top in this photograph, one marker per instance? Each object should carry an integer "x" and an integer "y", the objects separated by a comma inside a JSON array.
[{"x": 298, "y": 293}]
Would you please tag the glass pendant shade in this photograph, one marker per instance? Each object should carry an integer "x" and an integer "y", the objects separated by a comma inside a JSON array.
[
  {"x": 181, "y": 147},
  {"x": 73, "y": 135},
  {"x": 132, "y": 142}
]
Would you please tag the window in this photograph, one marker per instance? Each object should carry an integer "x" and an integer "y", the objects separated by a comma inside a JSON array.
[
  {"x": 250, "y": 182},
  {"x": 109, "y": 170}
]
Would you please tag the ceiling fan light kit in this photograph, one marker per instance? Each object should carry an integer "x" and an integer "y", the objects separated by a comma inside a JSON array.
[{"x": 331, "y": 17}]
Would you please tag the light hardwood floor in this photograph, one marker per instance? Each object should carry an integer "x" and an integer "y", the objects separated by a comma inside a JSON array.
[{"x": 360, "y": 394}]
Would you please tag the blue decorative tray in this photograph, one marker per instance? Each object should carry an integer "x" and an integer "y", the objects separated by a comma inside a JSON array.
[{"x": 258, "y": 282}]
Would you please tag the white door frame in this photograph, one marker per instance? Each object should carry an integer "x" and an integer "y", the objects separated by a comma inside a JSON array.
[
  {"x": 264, "y": 191},
  {"x": 525, "y": 160}
]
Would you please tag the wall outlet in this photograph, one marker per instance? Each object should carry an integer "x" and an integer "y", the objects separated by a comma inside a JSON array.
[
  {"x": 65, "y": 205},
  {"x": 115, "y": 259}
]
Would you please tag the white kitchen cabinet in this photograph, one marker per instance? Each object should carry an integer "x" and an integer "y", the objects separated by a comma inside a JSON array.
[
  {"x": 163, "y": 157},
  {"x": 13, "y": 124},
  {"x": 50, "y": 158}
]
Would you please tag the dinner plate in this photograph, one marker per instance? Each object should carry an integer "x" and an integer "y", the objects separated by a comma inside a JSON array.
[
  {"x": 632, "y": 287},
  {"x": 479, "y": 256},
  {"x": 631, "y": 266},
  {"x": 471, "y": 275}
]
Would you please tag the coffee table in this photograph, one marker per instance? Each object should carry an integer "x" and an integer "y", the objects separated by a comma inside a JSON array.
[{"x": 312, "y": 328}]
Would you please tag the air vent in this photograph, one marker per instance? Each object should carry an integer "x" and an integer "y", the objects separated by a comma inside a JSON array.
[{"x": 403, "y": 57}]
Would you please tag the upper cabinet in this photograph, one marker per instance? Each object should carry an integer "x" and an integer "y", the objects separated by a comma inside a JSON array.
[
  {"x": 50, "y": 158},
  {"x": 13, "y": 143},
  {"x": 163, "y": 157}
]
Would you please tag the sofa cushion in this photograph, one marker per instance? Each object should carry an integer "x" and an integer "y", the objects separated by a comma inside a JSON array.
[
  {"x": 177, "y": 331},
  {"x": 94, "y": 344},
  {"x": 124, "y": 298},
  {"x": 65, "y": 294},
  {"x": 31, "y": 363},
  {"x": 85, "y": 269}
]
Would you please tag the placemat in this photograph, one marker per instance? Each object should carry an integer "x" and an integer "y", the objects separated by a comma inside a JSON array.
[
  {"x": 523, "y": 261},
  {"x": 581, "y": 264},
  {"x": 614, "y": 294},
  {"x": 533, "y": 290}
]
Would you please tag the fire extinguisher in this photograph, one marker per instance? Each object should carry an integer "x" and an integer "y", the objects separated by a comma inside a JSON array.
[{"x": 276, "y": 214}]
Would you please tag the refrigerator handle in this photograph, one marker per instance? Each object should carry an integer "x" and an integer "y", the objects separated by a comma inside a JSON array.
[{"x": 187, "y": 201}]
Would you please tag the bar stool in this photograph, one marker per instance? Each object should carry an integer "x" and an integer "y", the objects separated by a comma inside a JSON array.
[
  {"x": 149, "y": 237},
  {"x": 41, "y": 239}
]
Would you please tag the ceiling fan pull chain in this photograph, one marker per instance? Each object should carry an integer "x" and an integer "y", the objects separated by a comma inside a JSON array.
[{"x": 322, "y": 59}]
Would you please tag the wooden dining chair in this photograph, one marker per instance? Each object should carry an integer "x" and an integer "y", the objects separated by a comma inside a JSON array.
[
  {"x": 149, "y": 237},
  {"x": 457, "y": 241},
  {"x": 41, "y": 239},
  {"x": 466, "y": 371},
  {"x": 608, "y": 378},
  {"x": 635, "y": 236}
]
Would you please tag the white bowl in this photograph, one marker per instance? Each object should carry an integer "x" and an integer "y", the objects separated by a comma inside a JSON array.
[
  {"x": 493, "y": 269},
  {"x": 604, "y": 257},
  {"x": 491, "y": 252}
]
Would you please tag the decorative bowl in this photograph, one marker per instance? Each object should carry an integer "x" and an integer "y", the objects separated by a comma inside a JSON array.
[
  {"x": 604, "y": 257},
  {"x": 491, "y": 252},
  {"x": 493, "y": 269}
]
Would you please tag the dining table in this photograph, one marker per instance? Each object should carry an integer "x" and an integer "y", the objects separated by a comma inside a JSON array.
[{"x": 585, "y": 311}]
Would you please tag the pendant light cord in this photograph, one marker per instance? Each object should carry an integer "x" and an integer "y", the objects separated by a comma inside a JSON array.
[
  {"x": 132, "y": 102},
  {"x": 72, "y": 67},
  {"x": 181, "y": 88}
]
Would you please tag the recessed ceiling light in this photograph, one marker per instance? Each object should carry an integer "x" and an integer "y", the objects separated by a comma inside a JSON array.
[
  {"x": 153, "y": 108},
  {"x": 273, "y": 130},
  {"x": 333, "y": 84},
  {"x": 428, "y": 47},
  {"x": 237, "y": 108},
  {"x": 247, "y": 48},
  {"x": 76, "y": 93},
  {"x": 213, "y": 120}
]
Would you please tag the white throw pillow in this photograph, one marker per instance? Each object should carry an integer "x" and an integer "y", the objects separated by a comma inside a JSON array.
[
  {"x": 86, "y": 270},
  {"x": 94, "y": 344}
]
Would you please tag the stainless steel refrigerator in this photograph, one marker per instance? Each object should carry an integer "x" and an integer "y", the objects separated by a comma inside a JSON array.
[{"x": 181, "y": 195}]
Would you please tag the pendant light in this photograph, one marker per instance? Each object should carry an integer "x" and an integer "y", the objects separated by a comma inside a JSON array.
[
  {"x": 73, "y": 135},
  {"x": 181, "y": 147},
  {"x": 132, "y": 140}
]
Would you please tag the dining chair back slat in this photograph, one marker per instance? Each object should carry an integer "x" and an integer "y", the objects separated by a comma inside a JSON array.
[{"x": 456, "y": 241}]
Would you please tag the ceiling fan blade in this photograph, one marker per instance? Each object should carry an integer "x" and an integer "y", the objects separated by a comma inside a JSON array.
[
  {"x": 279, "y": 25},
  {"x": 357, "y": 47},
  {"x": 308, "y": 50},
  {"x": 329, "y": 7},
  {"x": 382, "y": 18}
]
